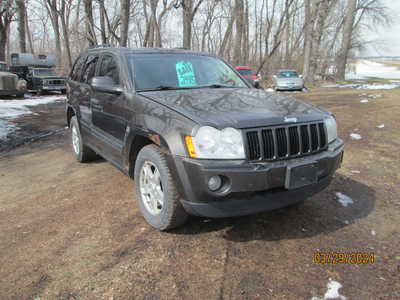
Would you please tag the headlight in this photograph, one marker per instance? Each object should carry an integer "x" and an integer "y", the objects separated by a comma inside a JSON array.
[
  {"x": 331, "y": 129},
  {"x": 211, "y": 143}
]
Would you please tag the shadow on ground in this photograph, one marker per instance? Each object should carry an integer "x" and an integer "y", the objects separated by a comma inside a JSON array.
[{"x": 318, "y": 215}]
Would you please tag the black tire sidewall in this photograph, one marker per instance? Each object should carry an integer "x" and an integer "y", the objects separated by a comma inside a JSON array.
[{"x": 152, "y": 154}]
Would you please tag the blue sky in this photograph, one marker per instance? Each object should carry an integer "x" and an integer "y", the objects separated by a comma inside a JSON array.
[{"x": 387, "y": 39}]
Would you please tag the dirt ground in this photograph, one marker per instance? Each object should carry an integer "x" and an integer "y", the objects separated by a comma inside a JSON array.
[{"x": 74, "y": 231}]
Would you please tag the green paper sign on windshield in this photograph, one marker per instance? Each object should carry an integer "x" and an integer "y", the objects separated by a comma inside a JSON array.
[{"x": 185, "y": 73}]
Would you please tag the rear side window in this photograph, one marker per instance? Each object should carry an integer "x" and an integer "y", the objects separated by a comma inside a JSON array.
[
  {"x": 109, "y": 68},
  {"x": 90, "y": 68},
  {"x": 77, "y": 69}
]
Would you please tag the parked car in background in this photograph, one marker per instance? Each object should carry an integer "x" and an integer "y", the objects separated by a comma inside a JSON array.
[
  {"x": 39, "y": 72},
  {"x": 250, "y": 74},
  {"x": 10, "y": 85},
  {"x": 195, "y": 136},
  {"x": 287, "y": 80}
]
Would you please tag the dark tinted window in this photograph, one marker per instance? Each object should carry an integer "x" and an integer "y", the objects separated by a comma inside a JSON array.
[
  {"x": 90, "y": 68},
  {"x": 77, "y": 69},
  {"x": 109, "y": 68}
]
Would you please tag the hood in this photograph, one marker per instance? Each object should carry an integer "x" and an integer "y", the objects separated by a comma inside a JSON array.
[
  {"x": 238, "y": 108},
  {"x": 8, "y": 74}
]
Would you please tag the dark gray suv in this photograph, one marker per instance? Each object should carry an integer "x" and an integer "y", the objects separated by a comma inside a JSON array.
[{"x": 197, "y": 139}]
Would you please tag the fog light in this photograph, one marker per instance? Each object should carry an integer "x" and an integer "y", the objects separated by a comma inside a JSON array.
[{"x": 214, "y": 183}]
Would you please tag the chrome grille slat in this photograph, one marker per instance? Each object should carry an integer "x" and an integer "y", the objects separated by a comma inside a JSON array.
[{"x": 282, "y": 142}]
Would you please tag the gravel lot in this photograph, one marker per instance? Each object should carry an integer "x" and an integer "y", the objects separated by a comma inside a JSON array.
[{"x": 74, "y": 231}]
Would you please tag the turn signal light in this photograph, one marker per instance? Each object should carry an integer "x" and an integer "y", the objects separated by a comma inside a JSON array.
[{"x": 190, "y": 146}]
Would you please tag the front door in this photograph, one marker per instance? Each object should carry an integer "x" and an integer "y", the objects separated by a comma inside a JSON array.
[{"x": 109, "y": 108}]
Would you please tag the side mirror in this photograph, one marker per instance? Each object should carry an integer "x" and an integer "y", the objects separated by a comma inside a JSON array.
[{"x": 105, "y": 84}]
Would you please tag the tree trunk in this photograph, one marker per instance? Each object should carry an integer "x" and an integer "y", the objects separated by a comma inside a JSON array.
[
  {"x": 227, "y": 36},
  {"x": 29, "y": 35},
  {"x": 103, "y": 23},
  {"x": 125, "y": 9},
  {"x": 90, "y": 34},
  {"x": 346, "y": 40},
  {"x": 239, "y": 13},
  {"x": 308, "y": 76},
  {"x": 21, "y": 9},
  {"x": 187, "y": 24},
  {"x": 3, "y": 44}
]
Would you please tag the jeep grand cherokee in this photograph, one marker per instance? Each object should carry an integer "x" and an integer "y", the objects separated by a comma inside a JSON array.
[{"x": 196, "y": 138}]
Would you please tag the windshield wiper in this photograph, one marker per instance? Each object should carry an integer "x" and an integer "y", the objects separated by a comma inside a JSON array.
[
  {"x": 160, "y": 88},
  {"x": 217, "y": 86}
]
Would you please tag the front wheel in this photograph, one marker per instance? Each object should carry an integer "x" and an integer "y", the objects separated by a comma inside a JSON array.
[
  {"x": 156, "y": 190},
  {"x": 63, "y": 91}
]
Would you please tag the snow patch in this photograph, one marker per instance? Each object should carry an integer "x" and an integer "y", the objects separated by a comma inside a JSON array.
[
  {"x": 367, "y": 69},
  {"x": 6, "y": 128},
  {"x": 383, "y": 86},
  {"x": 269, "y": 90},
  {"x": 375, "y": 96},
  {"x": 365, "y": 86},
  {"x": 10, "y": 109},
  {"x": 381, "y": 126},
  {"x": 355, "y": 136},
  {"x": 343, "y": 199},
  {"x": 332, "y": 292}
]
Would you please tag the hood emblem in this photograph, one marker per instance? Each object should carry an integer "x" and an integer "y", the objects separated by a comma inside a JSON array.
[{"x": 290, "y": 119}]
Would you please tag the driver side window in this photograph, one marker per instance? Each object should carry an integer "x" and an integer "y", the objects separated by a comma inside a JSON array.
[{"x": 109, "y": 68}]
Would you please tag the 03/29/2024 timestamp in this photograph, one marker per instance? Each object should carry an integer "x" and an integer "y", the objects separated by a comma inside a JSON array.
[{"x": 344, "y": 258}]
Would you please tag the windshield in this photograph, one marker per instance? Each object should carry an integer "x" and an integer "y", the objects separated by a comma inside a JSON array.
[
  {"x": 3, "y": 67},
  {"x": 246, "y": 72},
  {"x": 44, "y": 72},
  {"x": 288, "y": 74},
  {"x": 180, "y": 71}
]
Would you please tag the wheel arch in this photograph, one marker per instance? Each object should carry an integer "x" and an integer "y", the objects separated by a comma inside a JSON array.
[
  {"x": 135, "y": 142},
  {"x": 70, "y": 114}
]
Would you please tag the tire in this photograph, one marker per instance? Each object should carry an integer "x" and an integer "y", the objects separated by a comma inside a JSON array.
[
  {"x": 63, "y": 92},
  {"x": 82, "y": 152},
  {"x": 170, "y": 213},
  {"x": 20, "y": 96}
]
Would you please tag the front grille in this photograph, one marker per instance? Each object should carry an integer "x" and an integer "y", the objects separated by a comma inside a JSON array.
[
  {"x": 56, "y": 82},
  {"x": 9, "y": 83},
  {"x": 282, "y": 142}
]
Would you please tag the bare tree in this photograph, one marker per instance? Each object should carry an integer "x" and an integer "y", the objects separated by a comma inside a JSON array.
[
  {"x": 125, "y": 9},
  {"x": 89, "y": 21},
  {"x": 21, "y": 9},
  {"x": 189, "y": 10},
  {"x": 346, "y": 39},
  {"x": 6, "y": 15}
]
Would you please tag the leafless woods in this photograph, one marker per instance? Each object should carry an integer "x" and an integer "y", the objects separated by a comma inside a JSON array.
[{"x": 315, "y": 36}]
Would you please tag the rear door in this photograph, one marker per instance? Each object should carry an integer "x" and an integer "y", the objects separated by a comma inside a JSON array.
[{"x": 85, "y": 90}]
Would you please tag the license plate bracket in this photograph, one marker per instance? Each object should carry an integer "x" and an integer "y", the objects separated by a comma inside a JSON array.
[{"x": 298, "y": 176}]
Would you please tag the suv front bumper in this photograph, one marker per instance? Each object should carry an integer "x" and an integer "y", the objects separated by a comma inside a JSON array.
[{"x": 252, "y": 187}]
